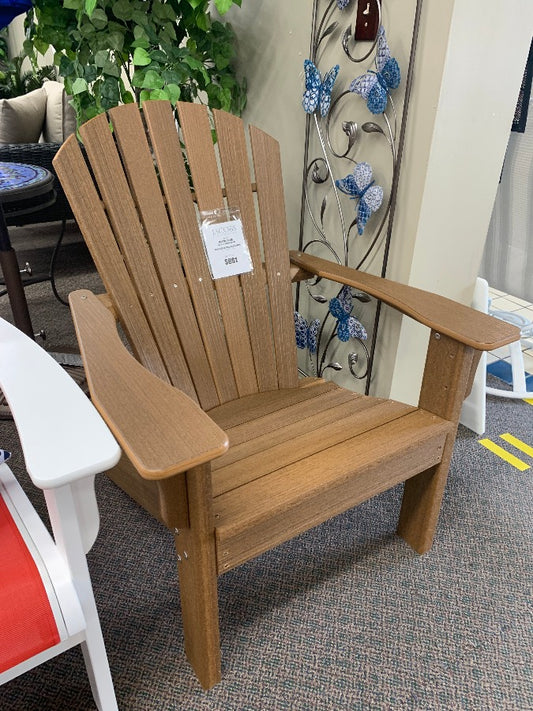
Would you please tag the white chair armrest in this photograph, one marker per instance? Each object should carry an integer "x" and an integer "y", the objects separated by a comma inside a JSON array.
[{"x": 62, "y": 435}]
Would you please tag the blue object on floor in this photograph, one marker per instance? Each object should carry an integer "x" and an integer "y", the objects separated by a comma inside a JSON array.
[{"x": 502, "y": 369}]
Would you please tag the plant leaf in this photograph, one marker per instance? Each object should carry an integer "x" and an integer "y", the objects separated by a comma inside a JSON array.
[
  {"x": 89, "y": 6},
  {"x": 152, "y": 80},
  {"x": 141, "y": 58},
  {"x": 223, "y": 5},
  {"x": 79, "y": 86}
]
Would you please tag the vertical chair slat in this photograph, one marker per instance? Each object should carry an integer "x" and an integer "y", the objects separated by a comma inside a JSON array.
[
  {"x": 139, "y": 166},
  {"x": 90, "y": 215},
  {"x": 182, "y": 213},
  {"x": 236, "y": 171},
  {"x": 267, "y": 166},
  {"x": 194, "y": 122},
  {"x": 129, "y": 233}
]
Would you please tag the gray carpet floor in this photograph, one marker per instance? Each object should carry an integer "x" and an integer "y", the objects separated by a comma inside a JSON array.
[{"x": 346, "y": 616}]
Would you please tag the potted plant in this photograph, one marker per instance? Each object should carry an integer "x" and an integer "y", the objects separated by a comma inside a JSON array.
[{"x": 119, "y": 51}]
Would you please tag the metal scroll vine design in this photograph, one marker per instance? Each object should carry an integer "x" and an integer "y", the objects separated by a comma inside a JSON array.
[{"x": 348, "y": 206}]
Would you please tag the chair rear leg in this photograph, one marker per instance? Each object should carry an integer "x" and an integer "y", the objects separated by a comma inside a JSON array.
[{"x": 198, "y": 580}]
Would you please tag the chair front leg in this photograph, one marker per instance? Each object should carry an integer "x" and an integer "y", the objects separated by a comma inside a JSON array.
[
  {"x": 197, "y": 570},
  {"x": 447, "y": 380}
]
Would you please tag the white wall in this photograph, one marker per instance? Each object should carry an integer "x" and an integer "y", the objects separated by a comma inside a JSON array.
[{"x": 272, "y": 43}]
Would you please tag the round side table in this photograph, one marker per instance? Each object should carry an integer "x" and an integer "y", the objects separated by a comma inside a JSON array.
[{"x": 23, "y": 189}]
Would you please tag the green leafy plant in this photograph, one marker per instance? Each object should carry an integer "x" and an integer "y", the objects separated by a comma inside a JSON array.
[
  {"x": 120, "y": 51},
  {"x": 14, "y": 80}
]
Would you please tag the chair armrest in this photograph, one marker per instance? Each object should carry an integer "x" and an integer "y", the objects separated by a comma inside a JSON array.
[
  {"x": 462, "y": 323},
  {"x": 62, "y": 435},
  {"x": 161, "y": 429}
]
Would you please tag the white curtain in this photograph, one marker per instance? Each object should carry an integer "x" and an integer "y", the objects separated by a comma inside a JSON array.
[{"x": 507, "y": 262}]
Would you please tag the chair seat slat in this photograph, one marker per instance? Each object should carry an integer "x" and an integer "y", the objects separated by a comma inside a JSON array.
[
  {"x": 265, "y": 512},
  {"x": 264, "y": 453},
  {"x": 284, "y": 416},
  {"x": 243, "y": 410}
]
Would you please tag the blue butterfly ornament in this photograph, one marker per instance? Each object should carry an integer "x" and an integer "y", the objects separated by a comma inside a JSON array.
[
  {"x": 317, "y": 94},
  {"x": 306, "y": 334},
  {"x": 340, "y": 307},
  {"x": 375, "y": 86},
  {"x": 359, "y": 184}
]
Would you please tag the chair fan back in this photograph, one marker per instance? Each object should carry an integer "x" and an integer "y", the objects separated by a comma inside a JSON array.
[{"x": 137, "y": 195}]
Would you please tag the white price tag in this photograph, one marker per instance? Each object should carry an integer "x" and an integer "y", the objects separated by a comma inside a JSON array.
[{"x": 226, "y": 248}]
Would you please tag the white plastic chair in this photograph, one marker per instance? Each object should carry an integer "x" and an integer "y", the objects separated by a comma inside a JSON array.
[
  {"x": 518, "y": 374},
  {"x": 65, "y": 443},
  {"x": 473, "y": 414}
]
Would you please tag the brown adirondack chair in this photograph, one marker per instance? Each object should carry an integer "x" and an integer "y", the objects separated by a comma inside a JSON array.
[{"x": 222, "y": 441}]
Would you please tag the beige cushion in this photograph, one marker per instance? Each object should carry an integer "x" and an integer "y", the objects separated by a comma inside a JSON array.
[
  {"x": 22, "y": 118},
  {"x": 69, "y": 117},
  {"x": 60, "y": 120}
]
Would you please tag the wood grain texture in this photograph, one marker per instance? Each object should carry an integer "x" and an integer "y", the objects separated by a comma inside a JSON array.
[
  {"x": 197, "y": 571},
  {"x": 161, "y": 429},
  {"x": 287, "y": 416},
  {"x": 267, "y": 166},
  {"x": 261, "y": 514},
  {"x": 164, "y": 499},
  {"x": 244, "y": 409},
  {"x": 265, "y": 453},
  {"x": 464, "y": 324},
  {"x": 143, "y": 176},
  {"x": 128, "y": 230},
  {"x": 272, "y": 455},
  {"x": 194, "y": 123},
  {"x": 447, "y": 378},
  {"x": 231, "y": 142},
  {"x": 182, "y": 213},
  {"x": 90, "y": 215}
]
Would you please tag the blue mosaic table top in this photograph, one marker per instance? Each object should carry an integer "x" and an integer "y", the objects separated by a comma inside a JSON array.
[{"x": 14, "y": 176}]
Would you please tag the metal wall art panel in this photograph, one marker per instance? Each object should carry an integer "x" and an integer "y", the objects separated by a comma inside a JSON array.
[{"x": 355, "y": 97}]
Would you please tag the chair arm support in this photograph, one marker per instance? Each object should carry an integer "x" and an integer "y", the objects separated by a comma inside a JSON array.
[
  {"x": 62, "y": 436},
  {"x": 162, "y": 431},
  {"x": 462, "y": 323}
]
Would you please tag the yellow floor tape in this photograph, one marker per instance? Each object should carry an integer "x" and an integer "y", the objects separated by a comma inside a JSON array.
[
  {"x": 522, "y": 446},
  {"x": 503, "y": 454}
]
